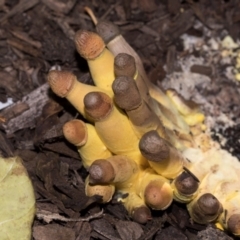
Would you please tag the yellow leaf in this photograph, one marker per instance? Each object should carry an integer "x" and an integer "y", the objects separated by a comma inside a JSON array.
[{"x": 17, "y": 200}]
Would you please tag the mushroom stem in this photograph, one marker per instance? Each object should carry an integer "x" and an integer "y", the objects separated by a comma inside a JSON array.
[
  {"x": 127, "y": 97},
  {"x": 188, "y": 109},
  {"x": 110, "y": 123},
  {"x": 162, "y": 157},
  {"x": 117, "y": 44},
  {"x": 168, "y": 108},
  {"x": 124, "y": 65},
  {"x": 104, "y": 191},
  {"x": 87, "y": 141},
  {"x": 65, "y": 85},
  {"x": 100, "y": 60}
]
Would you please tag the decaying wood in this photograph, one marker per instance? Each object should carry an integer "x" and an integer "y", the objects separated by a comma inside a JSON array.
[{"x": 27, "y": 110}]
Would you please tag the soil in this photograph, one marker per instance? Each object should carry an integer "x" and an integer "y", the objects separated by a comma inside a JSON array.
[{"x": 180, "y": 44}]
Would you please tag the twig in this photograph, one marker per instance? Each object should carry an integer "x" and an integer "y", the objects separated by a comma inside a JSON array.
[
  {"x": 49, "y": 217},
  {"x": 22, "y": 6},
  {"x": 91, "y": 14}
]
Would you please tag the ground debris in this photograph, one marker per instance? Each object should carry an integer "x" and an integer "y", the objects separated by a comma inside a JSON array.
[
  {"x": 37, "y": 35},
  {"x": 212, "y": 234}
]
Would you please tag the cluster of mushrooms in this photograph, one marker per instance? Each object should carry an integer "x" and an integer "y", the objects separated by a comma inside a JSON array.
[{"x": 142, "y": 144}]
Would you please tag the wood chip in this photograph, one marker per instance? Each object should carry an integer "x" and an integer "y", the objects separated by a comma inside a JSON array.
[
  {"x": 129, "y": 230},
  {"x": 53, "y": 231}
]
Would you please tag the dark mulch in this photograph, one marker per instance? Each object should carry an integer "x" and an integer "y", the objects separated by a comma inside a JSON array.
[{"x": 37, "y": 35}]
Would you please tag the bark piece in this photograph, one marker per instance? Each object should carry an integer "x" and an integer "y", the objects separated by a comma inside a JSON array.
[
  {"x": 31, "y": 108},
  {"x": 129, "y": 230},
  {"x": 53, "y": 231}
]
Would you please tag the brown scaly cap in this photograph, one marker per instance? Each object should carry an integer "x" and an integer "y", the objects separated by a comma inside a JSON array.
[
  {"x": 98, "y": 105},
  {"x": 75, "y": 132},
  {"x": 209, "y": 204},
  {"x": 126, "y": 94},
  {"x": 61, "y": 82},
  {"x": 89, "y": 44},
  {"x": 234, "y": 224},
  {"x": 124, "y": 65},
  {"x": 206, "y": 209},
  {"x": 141, "y": 214},
  {"x": 186, "y": 184},
  {"x": 107, "y": 30},
  {"x": 157, "y": 196},
  {"x": 153, "y": 147},
  {"x": 101, "y": 171}
]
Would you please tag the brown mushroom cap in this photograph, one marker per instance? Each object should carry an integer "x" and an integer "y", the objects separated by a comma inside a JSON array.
[
  {"x": 97, "y": 105},
  {"x": 209, "y": 204},
  {"x": 61, "y": 82},
  {"x": 101, "y": 171},
  {"x": 75, "y": 132},
  {"x": 233, "y": 224},
  {"x": 157, "y": 195},
  {"x": 206, "y": 209},
  {"x": 141, "y": 214},
  {"x": 124, "y": 65},
  {"x": 186, "y": 184},
  {"x": 89, "y": 44},
  {"x": 153, "y": 147},
  {"x": 126, "y": 94}
]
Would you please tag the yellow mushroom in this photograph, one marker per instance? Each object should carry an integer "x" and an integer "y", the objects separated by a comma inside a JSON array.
[
  {"x": 127, "y": 97},
  {"x": 117, "y": 169},
  {"x": 162, "y": 157},
  {"x": 65, "y": 85},
  {"x": 174, "y": 157},
  {"x": 85, "y": 138},
  {"x": 111, "y": 123},
  {"x": 185, "y": 187},
  {"x": 205, "y": 208},
  {"x": 117, "y": 44},
  {"x": 100, "y": 60},
  {"x": 154, "y": 189},
  {"x": 137, "y": 208}
]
